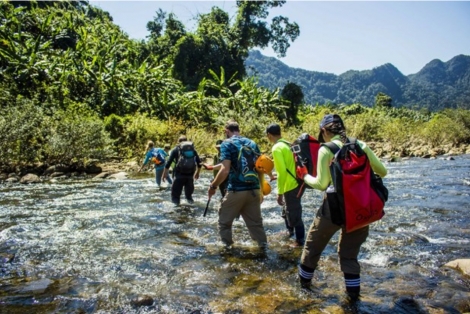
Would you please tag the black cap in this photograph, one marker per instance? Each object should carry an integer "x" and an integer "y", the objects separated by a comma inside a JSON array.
[
  {"x": 273, "y": 129},
  {"x": 328, "y": 119},
  {"x": 217, "y": 144}
]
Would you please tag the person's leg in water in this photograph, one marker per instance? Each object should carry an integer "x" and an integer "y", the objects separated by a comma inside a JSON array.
[
  {"x": 293, "y": 207},
  {"x": 189, "y": 189},
  {"x": 318, "y": 236},
  {"x": 158, "y": 175},
  {"x": 348, "y": 250},
  {"x": 177, "y": 189}
]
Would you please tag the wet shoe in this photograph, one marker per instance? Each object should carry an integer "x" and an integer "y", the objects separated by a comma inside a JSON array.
[
  {"x": 352, "y": 297},
  {"x": 190, "y": 201},
  {"x": 306, "y": 284},
  {"x": 296, "y": 244},
  {"x": 288, "y": 233}
]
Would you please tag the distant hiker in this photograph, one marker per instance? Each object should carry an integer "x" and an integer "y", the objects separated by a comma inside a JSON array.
[
  {"x": 161, "y": 169},
  {"x": 237, "y": 159},
  {"x": 157, "y": 157},
  {"x": 332, "y": 129},
  {"x": 186, "y": 170},
  {"x": 289, "y": 191},
  {"x": 216, "y": 167}
]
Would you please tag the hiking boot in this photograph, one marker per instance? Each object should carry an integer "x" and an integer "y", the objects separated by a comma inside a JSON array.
[
  {"x": 190, "y": 201},
  {"x": 352, "y": 296},
  {"x": 296, "y": 244},
  {"x": 306, "y": 284}
]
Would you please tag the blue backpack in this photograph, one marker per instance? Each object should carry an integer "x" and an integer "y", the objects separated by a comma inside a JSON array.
[
  {"x": 244, "y": 169},
  {"x": 157, "y": 158}
]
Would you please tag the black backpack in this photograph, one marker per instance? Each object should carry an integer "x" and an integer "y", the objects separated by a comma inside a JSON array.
[{"x": 186, "y": 163}]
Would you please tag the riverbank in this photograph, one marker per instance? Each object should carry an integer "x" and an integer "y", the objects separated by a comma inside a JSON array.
[{"x": 119, "y": 169}]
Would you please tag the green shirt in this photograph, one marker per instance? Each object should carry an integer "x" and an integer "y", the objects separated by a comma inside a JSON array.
[
  {"x": 283, "y": 161},
  {"x": 323, "y": 178}
]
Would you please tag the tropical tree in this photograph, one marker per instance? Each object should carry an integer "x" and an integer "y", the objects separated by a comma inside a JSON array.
[
  {"x": 383, "y": 101},
  {"x": 294, "y": 96},
  {"x": 218, "y": 44}
]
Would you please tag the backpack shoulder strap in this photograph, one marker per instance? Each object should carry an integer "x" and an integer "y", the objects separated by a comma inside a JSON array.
[{"x": 332, "y": 147}]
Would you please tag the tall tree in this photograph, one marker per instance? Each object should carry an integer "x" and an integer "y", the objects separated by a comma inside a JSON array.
[
  {"x": 295, "y": 97},
  {"x": 383, "y": 100},
  {"x": 217, "y": 44}
]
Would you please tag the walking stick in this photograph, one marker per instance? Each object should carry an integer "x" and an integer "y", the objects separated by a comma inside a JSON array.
[{"x": 207, "y": 207}]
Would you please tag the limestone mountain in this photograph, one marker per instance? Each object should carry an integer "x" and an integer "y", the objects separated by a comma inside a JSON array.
[{"x": 436, "y": 86}]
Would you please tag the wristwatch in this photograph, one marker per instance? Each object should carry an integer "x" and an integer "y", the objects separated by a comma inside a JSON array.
[{"x": 213, "y": 187}]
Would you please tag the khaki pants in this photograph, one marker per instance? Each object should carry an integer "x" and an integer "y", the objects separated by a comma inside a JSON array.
[
  {"x": 247, "y": 204},
  {"x": 320, "y": 233}
]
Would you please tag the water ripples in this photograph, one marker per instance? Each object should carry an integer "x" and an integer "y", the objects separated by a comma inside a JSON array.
[{"x": 93, "y": 246}]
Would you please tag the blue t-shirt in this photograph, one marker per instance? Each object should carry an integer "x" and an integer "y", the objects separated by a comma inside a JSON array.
[
  {"x": 229, "y": 151},
  {"x": 149, "y": 155}
]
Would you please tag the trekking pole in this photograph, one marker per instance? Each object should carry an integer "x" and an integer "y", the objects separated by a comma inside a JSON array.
[{"x": 207, "y": 207}]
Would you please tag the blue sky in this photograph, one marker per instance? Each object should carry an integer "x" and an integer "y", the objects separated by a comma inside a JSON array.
[{"x": 337, "y": 36}]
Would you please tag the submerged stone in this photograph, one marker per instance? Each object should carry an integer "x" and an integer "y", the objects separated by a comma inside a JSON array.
[{"x": 142, "y": 300}]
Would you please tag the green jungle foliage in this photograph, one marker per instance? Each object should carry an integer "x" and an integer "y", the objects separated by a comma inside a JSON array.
[
  {"x": 75, "y": 88},
  {"x": 436, "y": 86}
]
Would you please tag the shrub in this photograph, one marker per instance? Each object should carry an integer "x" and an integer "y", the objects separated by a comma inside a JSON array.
[
  {"x": 76, "y": 135},
  {"x": 21, "y": 133}
]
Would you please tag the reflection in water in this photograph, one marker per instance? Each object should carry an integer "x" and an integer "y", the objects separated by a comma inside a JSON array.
[{"x": 87, "y": 246}]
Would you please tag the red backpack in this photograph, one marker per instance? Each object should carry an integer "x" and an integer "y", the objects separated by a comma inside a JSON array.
[
  {"x": 305, "y": 149},
  {"x": 359, "y": 195}
]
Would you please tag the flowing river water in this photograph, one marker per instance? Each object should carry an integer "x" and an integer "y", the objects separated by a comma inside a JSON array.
[{"x": 119, "y": 246}]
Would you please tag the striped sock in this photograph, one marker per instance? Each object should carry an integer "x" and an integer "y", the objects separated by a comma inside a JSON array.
[
  {"x": 305, "y": 273},
  {"x": 353, "y": 283}
]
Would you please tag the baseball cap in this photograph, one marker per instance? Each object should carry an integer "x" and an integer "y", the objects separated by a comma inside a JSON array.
[
  {"x": 218, "y": 143},
  {"x": 328, "y": 119}
]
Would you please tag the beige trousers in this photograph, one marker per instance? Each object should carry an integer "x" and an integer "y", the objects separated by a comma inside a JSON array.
[{"x": 245, "y": 204}]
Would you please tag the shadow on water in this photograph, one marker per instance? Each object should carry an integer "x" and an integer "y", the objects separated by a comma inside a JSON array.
[{"x": 86, "y": 246}]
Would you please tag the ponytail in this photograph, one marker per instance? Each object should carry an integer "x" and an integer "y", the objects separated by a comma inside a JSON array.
[{"x": 338, "y": 128}]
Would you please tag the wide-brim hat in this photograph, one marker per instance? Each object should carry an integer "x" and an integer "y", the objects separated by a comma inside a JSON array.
[{"x": 328, "y": 119}]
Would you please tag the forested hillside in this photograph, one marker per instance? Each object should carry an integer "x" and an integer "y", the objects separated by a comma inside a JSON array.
[
  {"x": 75, "y": 89},
  {"x": 437, "y": 86}
]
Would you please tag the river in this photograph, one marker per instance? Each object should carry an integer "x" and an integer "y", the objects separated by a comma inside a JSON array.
[{"x": 119, "y": 246}]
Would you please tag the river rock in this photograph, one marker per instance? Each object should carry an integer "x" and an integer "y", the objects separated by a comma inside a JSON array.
[
  {"x": 6, "y": 258},
  {"x": 462, "y": 264},
  {"x": 118, "y": 176},
  {"x": 57, "y": 168},
  {"x": 38, "y": 286},
  {"x": 30, "y": 178},
  {"x": 102, "y": 175},
  {"x": 3, "y": 176},
  {"x": 58, "y": 174},
  {"x": 92, "y": 168},
  {"x": 11, "y": 180},
  {"x": 142, "y": 300}
]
